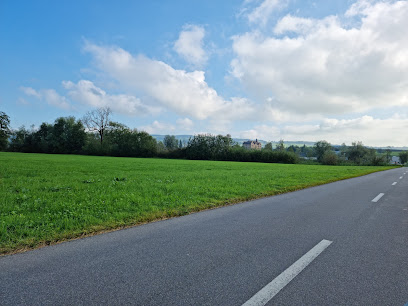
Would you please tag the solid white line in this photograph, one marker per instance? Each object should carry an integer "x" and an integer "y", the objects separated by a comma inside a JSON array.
[
  {"x": 395, "y": 183},
  {"x": 270, "y": 290},
  {"x": 377, "y": 198}
]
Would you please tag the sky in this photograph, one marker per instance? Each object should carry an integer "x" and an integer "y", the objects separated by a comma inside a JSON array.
[{"x": 298, "y": 70}]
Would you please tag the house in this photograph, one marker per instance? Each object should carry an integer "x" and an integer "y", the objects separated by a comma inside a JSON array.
[
  {"x": 395, "y": 160},
  {"x": 250, "y": 144}
]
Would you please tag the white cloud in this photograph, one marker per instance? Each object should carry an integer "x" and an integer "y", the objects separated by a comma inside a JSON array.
[
  {"x": 190, "y": 44},
  {"x": 185, "y": 93},
  {"x": 293, "y": 24},
  {"x": 371, "y": 131},
  {"x": 87, "y": 93},
  {"x": 48, "y": 95},
  {"x": 326, "y": 67},
  {"x": 185, "y": 124},
  {"x": 361, "y": 7},
  {"x": 30, "y": 92},
  {"x": 53, "y": 98},
  {"x": 261, "y": 14},
  {"x": 158, "y": 128},
  {"x": 22, "y": 101}
]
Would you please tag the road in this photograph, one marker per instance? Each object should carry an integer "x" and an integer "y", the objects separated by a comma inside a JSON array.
[{"x": 337, "y": 246}]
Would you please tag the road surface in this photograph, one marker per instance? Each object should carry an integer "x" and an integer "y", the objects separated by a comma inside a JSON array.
[{"x": 344, "y": 243}]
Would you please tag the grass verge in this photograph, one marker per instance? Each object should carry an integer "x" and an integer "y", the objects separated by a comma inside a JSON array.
[{"x": 50, "y": 198}]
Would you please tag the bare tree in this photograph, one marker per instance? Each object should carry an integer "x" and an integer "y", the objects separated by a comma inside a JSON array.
[{"x": 98, "y": 120}]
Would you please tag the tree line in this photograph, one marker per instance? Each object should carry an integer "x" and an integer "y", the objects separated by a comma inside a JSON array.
[
  {"x": 96, "y": 134},
  {"x": 356, "y": 154}
]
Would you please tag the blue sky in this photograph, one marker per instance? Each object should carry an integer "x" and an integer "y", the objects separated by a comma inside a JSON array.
[{"x": 269, "y": 69}]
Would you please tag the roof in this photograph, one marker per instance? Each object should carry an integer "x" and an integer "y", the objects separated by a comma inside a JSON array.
[{"x": 252, "y": 141}]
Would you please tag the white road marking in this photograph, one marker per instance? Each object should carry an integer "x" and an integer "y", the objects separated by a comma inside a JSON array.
[
  {"x": 377, "y": 198},
  {"x": 400, "y": 177},
  {"x": 395, "y": 183},
  {"x": 270, "y": 290}
]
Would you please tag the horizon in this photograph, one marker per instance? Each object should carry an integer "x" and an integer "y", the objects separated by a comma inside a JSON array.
[{"x": 267, "y": 69}]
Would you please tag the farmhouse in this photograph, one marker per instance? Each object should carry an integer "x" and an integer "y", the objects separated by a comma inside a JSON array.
[{"x": 250, "y": 144}]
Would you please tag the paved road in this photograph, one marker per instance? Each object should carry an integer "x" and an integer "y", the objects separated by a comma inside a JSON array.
[{"x": 225, "y": 256}]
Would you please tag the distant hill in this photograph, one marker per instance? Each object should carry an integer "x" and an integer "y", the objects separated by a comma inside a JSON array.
[{"x": 183, "y": 138}]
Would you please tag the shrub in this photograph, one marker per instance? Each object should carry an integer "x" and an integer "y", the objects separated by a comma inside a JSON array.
[{"x": 329, "y": 158}]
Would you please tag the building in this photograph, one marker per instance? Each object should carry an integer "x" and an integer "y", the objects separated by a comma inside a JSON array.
[
  {"x": 250, "y": 144},
  {"x": 395, "y": 160}
]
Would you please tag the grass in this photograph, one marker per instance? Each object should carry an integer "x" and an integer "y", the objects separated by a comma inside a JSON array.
[{"x": 49, "y": 198}]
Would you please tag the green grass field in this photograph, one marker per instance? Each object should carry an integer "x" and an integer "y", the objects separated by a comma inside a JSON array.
[{"x": 49, "y": 198}]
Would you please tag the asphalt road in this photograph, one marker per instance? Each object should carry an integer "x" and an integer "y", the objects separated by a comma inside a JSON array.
[{"x": 225, "y": 256}]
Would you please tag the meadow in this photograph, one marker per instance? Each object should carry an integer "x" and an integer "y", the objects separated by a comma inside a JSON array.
[{"x": 45, "y": 198}]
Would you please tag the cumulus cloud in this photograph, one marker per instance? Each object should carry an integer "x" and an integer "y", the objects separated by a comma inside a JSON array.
[
  {"x": 294, "y": 24},
  {"x": 158, "y": 128},
  {"x": 87, "y": 93},
  {"x": 185, "y": 124},
  {"x": 31, "y": 92},
  {"x": 185, "y": 93},
  {"x": 323, "y": 66},
  {"x": 53, "y": 98},
  {"x": 372, "y": 131},
  {"x": 48, "y": 95},
  {"x": 190, "y": 45},
  {"x": 261, "y": 14}
]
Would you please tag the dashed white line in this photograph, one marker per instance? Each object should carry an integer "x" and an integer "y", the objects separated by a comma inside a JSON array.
[
  {"x": 400, "y": 177},
  {"x": 377, "y": 198},
  {"x": 395, "y": 183},
  {"x": 270, "y": 290}
]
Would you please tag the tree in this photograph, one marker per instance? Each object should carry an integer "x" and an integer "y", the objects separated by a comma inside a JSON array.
[
  {"x": 4, "y": 130},
  {"x": 98, "y": 121},
  {"x": 320, "y": 148},
  {"x": 208, "y": 146},
  {"x": 358, "y": 153},
  {"x": 293, "y": 149},
  {"x": 388, "y": 154},
  {"x": 403, "y": 157},
  {"x": 268, "y": 146},
  {"x": 170, "y": 142},
  {"x": 44, "y": 138},
  {"x": 330, "y": 158},
  {"x": 343, "y": 150},
  {"x": 18, "y": 140},
  {"x": 123, "y": 141},
  {"x": 68, "y": 135},
  {"x": 160, "y": 147},
  {"x": 280, "y": 146}
]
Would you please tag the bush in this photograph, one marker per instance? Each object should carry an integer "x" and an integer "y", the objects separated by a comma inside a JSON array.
[
  {"x": 378, "y": 161},
  {"x": 329, "y": 158}
]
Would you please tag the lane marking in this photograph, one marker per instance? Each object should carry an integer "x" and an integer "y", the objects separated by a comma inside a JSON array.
[
  {"x": 270, "y": 290},
  {"x": 395, "y": 183},
  {"x": 377, "y": 198},
  {"x": 400, "y": 177}
]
